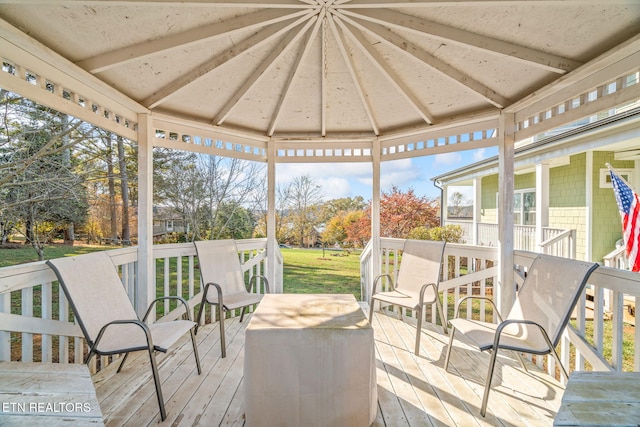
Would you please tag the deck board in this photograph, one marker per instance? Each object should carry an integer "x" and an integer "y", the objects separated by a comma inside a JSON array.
[{"x": 412, "y": 391}]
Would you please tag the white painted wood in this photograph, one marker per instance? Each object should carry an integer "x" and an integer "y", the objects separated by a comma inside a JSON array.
[
  {"x": 376, "y": 251},
  {"x": 542, "y": 201},
  {"x": 108, "y": 60},
  {"x": 351, "y": 67},
  {"x": 145, "y": 291},
  {"x": 290, "y": 39},
  {"x": 547, "y": 61},
  {"x": 411, "y": 49},
  {"x": 300, "y": 58},
  {"x": 246, "y": 45},
  {"x": 477, "y": 207},
  {"x": 391, "y": 76},
  {"x": 506, "y": 291}
]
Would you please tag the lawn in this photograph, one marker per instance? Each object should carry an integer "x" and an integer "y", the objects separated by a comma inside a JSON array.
[
  {"x": 15, "y": 254},
  {"x": 307, "y": 271}
]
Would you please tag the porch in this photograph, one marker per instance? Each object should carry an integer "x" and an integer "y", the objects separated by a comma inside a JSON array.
[{"x": 412, "y": 391}]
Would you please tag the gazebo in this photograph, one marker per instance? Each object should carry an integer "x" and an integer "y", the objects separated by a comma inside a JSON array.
[
  {"x": 315, "y": 81},
  {"x": 323, "y": 81}
]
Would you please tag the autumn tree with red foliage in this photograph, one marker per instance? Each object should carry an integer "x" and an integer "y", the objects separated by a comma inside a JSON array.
[{"x": 399, "y": 214}]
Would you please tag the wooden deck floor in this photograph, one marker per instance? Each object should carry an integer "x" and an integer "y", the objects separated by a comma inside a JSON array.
[{"x": 412, "y": 391}]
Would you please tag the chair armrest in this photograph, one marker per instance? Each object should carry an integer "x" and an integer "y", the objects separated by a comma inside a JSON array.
[
  {"x": 153, "y": 303},
  {"x": 493, "y": 304},
  {"x": 423, "y": 289},
  {"x": 141, "y": 324},
  {"x": 377, "y": 279},
  {"x": 218, "y": 289},
  {"x": 505, "y": 323},
  {"x": 253, "y": 279}
]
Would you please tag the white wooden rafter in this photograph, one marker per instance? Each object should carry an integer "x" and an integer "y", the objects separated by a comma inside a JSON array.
[
  {"x": 147, "y": 48},
  {"x": 271, "y": 4},
  {"x": 294, "y": 71},
  {"x": 250, "y": 43},
  {"x": 357, "y": 81},
  {"x": 281, "y": 48},
  {"x": 374, "y": 57},
  {"x": 407, "y": 48},
  {"x": 369, "y": 4},
  {"x": 403, "y": 22}
]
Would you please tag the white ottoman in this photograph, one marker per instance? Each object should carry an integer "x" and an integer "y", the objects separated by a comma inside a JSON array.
[{"x": 309, "y": 361}]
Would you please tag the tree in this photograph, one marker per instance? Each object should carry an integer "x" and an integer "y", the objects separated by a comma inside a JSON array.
[
  {"x": 215, "y": 194},
  {"x": 41, "y": 185},
  {"x": 456, "y": 202},
  {"x": 305, "y": 197},
  {"x": 399, "y": 214}
]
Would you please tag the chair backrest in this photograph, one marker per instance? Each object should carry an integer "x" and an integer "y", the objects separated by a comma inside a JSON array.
[
  {"x": 94, "y": 290},
  {"x": 421, "y": 264},
  {"x": 550, "y": 291},
  {"x": 220, "y": 263}
]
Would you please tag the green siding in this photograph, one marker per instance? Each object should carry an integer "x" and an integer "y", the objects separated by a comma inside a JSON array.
[{"x": 567, "y": 184}]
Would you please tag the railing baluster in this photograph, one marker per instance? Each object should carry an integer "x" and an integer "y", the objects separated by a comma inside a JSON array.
[{"x": 27, "y": 338}]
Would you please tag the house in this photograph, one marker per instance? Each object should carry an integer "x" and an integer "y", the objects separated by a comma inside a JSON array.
[
  {"x": 168, "y": 220},
  {"x": 561, "y": 183}
]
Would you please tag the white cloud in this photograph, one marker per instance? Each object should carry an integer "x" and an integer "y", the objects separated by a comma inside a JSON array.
[
  {"x": 448, "y": 158},
  {"x": 480, "y": 154},
  {"x": 335, "y": 179}
]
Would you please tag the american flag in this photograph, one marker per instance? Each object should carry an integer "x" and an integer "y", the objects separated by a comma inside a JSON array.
[{"x": 629, "y": 207}]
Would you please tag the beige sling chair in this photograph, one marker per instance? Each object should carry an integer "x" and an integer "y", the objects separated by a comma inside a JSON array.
[
  {"x": 220, "y": 267},
  {"x": 107, "y": 318},
  {"x": 417, "y": 282},
  {"x": 537, "y": 319}
]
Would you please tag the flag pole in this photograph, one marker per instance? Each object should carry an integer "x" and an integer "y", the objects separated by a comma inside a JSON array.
[{"x": 619, "y": 176}]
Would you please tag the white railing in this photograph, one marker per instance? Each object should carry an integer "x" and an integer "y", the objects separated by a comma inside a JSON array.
[
  {"x": 36, "y": 323},
  {"x": 467, "y": 228},
  {"x": 556, "y": 241},
  {"x": 473, "y": 270},
  {"x": 560, "y": 243}
]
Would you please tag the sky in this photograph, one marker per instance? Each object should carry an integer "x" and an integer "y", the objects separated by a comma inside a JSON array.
[{"x": 354, "y": 179}]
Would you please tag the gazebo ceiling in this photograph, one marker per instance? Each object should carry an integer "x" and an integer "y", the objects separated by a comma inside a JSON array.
[{"x": 326, "y": 69}]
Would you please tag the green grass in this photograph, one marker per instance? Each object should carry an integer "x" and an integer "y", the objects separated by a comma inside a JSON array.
[
  {"x": 306, "y": 271},
  {"x": 21, "y": 254}
]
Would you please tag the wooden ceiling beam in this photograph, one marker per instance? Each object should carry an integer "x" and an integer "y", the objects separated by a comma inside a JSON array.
[
  {"x": 357, "y": 81},
  {"x": 253, "y": 42},
  {"x": 144, "y": 49},
  {"x": 402, "y": 22},
  {"x": 407, "y": 48},
  {"x": 374, "y": 57},
  {"x": 281, "y": 48},
  {"x": 294, "y": 72}
]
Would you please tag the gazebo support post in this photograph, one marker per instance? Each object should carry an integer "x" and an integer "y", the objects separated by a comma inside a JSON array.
[
  {"x": 506, "y": 291},
  {"x": 145, "y": 285}
]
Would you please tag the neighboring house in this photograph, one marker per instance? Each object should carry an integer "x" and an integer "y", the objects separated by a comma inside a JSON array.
[
  {"x": 167, "y": 220},
  {"x": 561, "y": 183}
]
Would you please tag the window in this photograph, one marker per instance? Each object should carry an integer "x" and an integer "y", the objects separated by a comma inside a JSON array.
[
  {"x": 605, "y": 176},
  {"x": 524, "y": 206}
]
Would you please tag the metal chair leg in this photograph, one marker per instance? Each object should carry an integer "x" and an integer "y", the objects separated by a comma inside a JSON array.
[
  {"x": 487, "y": 387},
  {"x": 446, "y": 359},
  {"x": 195, "y": 350},
  {"x": 371, "y": 311},
  {"x": 124, "y": 359},
  {"x": 223, "y": 345},
  {"x": 419, "y": 330},
  {"x": 442, "y": 318},
  {"x": 242, "y": 314},
  {"x": 156, "y": 380}
]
